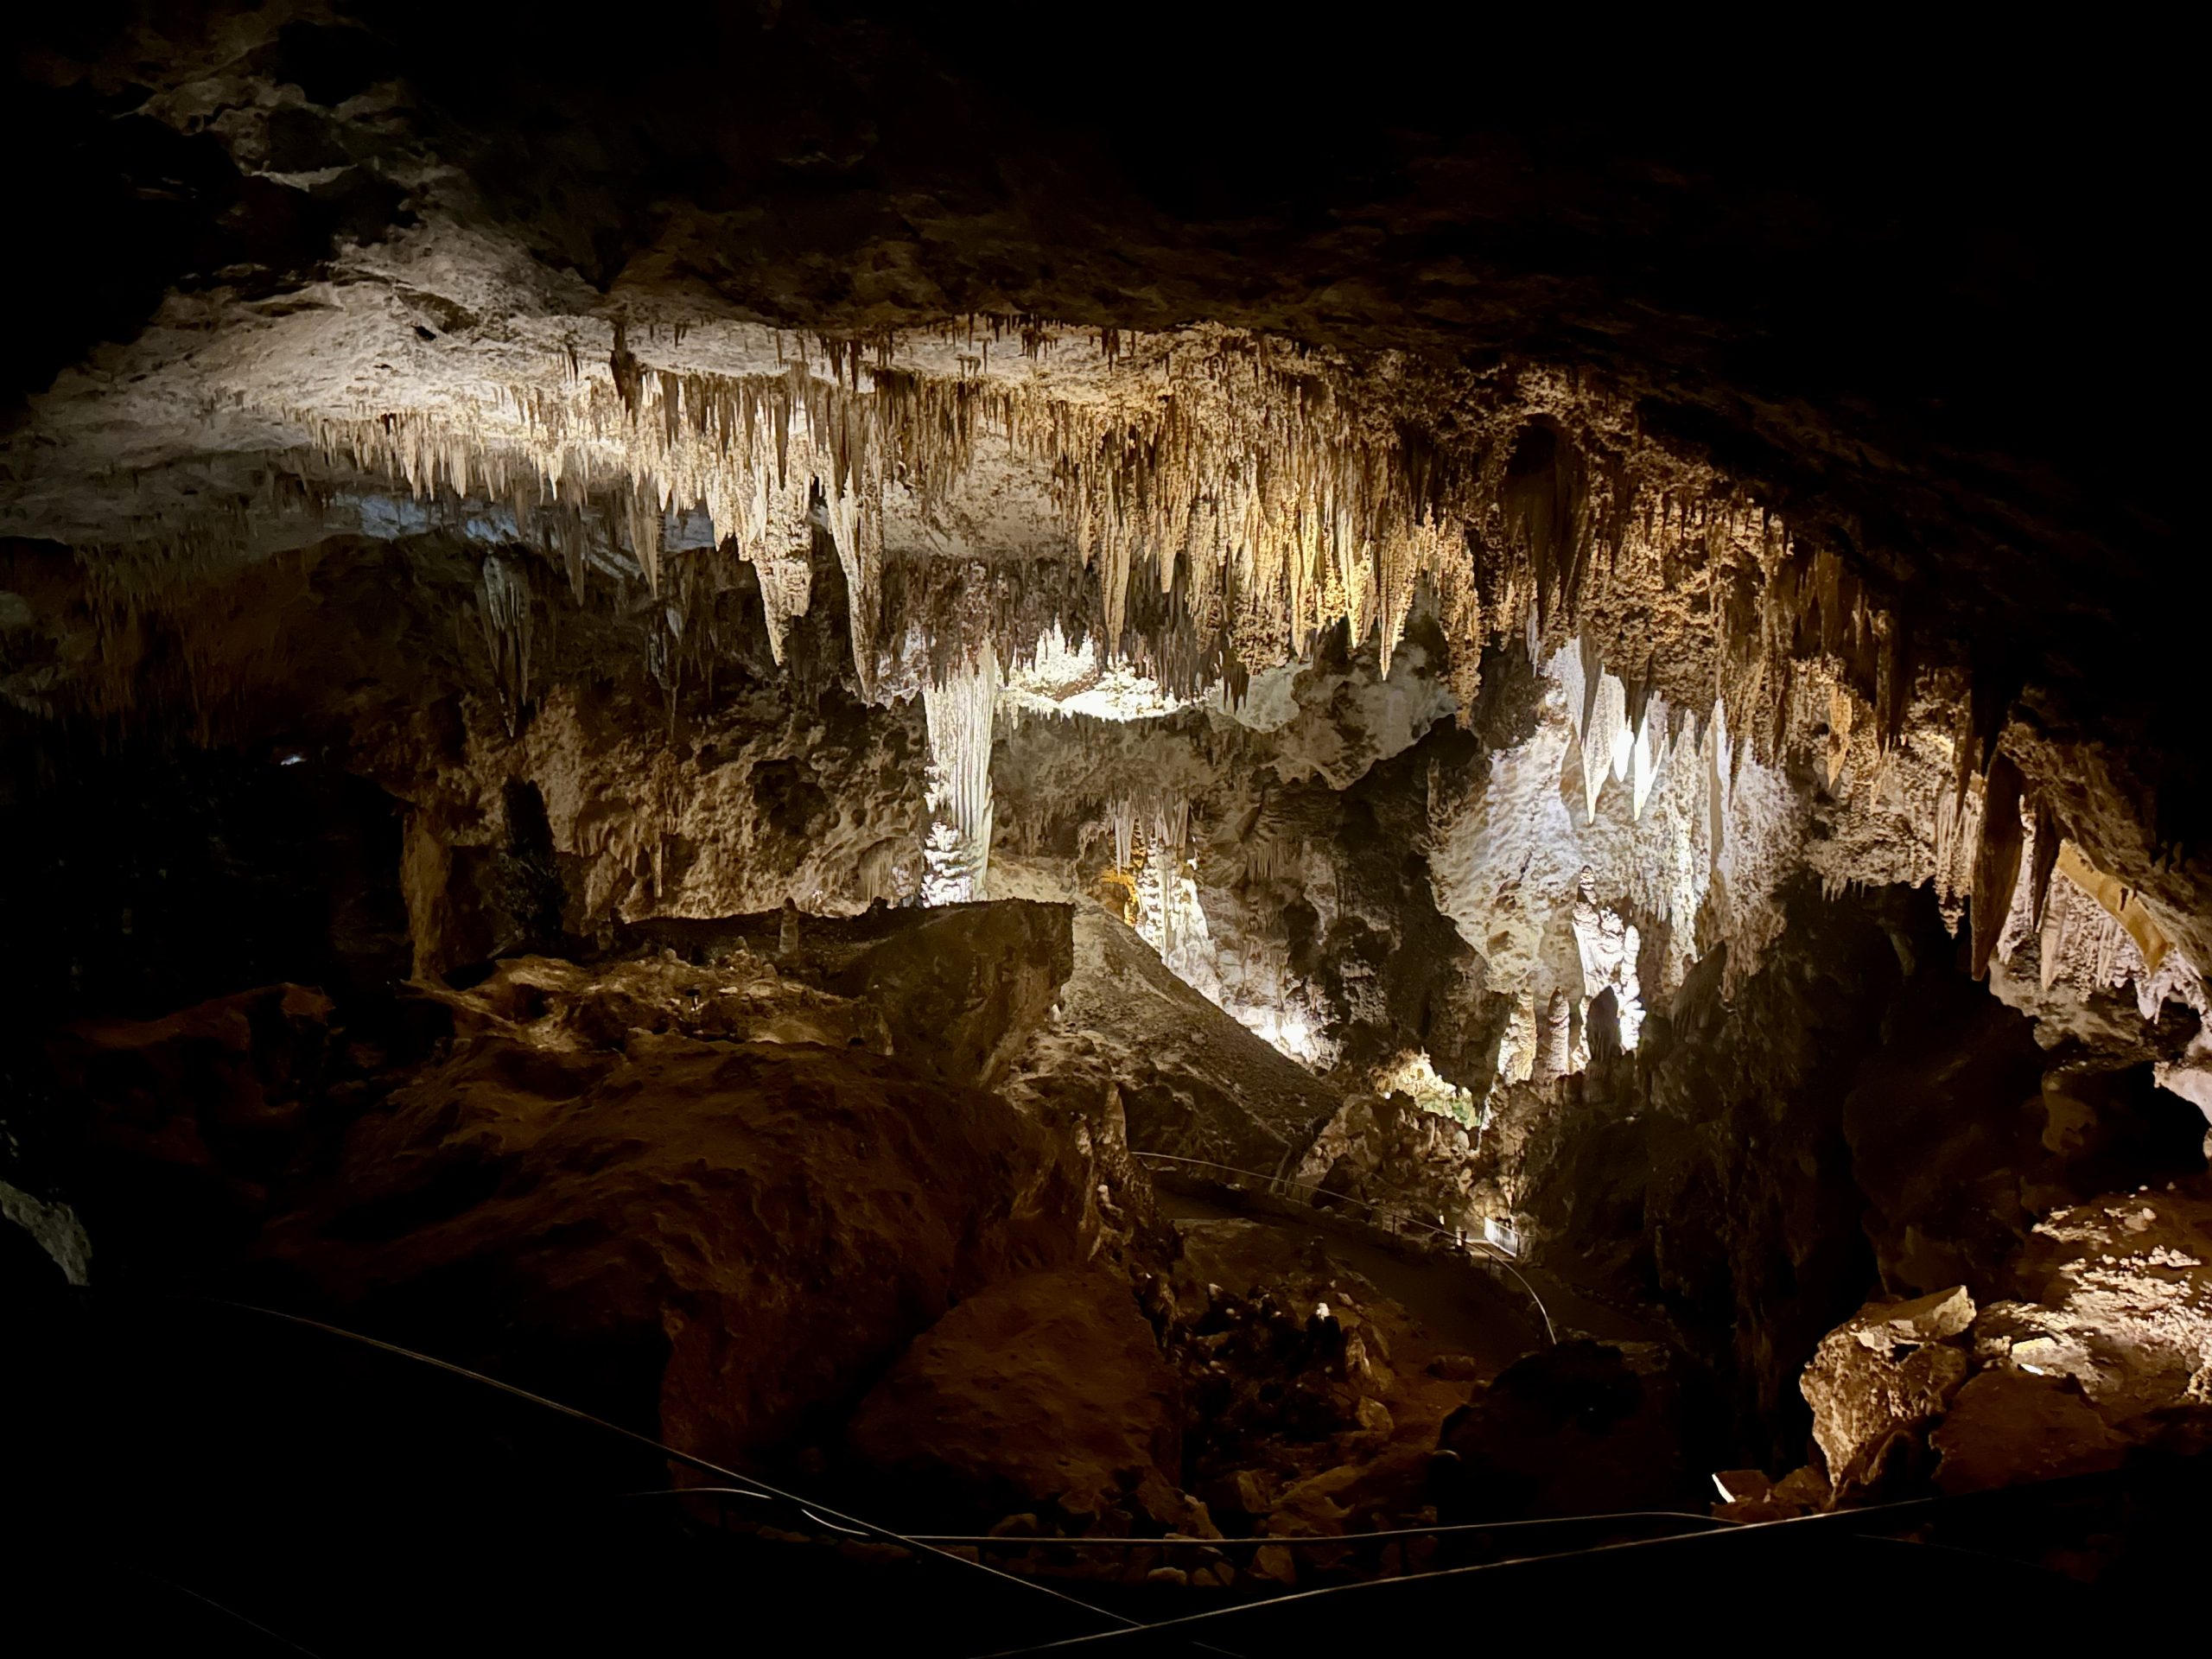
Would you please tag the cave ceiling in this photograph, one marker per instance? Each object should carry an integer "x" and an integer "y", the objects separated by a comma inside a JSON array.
[{"x": 1178, "y": 366}]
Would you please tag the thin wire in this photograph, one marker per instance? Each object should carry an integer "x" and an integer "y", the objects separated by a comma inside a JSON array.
[
  {"x": 1215, "y": 1613},
  {"x": 232, "y": 1612},
  {"x": 1976, "y": 1555},
  {"x": 1339, "y": 1539},
  {"x": 1489, "y": 1254},
  {"x": 695, "y": 1462}
]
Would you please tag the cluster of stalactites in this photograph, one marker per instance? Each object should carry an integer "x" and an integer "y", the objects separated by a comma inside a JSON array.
[
  {"x": 2028, "y": 880},
  {"x": 1230, "y": 499},
  {"x": 1827, "y": 679},
  {"x": 767, "y": 458},
  {"x": 1621, "y": 730}
]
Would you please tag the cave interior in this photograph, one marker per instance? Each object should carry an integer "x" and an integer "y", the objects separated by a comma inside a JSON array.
[{"x": 1182, "y": 832}]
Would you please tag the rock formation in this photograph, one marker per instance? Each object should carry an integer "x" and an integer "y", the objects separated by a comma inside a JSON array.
[{"x": 1126, "y": 796}]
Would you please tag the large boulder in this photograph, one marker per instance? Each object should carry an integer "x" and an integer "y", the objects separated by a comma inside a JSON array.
[
  {"x": 2113, "y": 1352},
  {"x": 1193, "y": 1082},
  {"x": 2008, "y": 1426},
  {"x": 1577, "y": 1429},
  {"x": 1044, "y": 1393},
  {"x": 774, "y": 1221},
  {"x": 2121, "y": 1301},
  {"x": 964, "y": 987},
  {"x": 1878, "y": 1379}
]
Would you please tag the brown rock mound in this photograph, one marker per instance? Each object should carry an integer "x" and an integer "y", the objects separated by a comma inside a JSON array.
[
  {"x": 1577, "y": 1429},
  {"x": 2007, "y": 1426},
  {"x": 195, "y": 1116},
  {"x": 1046, "y": 1390},
  {"x": 778, "y": 1219}
]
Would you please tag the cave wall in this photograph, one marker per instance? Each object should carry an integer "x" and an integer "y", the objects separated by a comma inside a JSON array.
[{"x": 1859, "y": 1119}]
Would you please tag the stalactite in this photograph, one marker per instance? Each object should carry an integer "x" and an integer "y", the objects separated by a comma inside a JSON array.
[
  {"x": 1644, "y": 764},
  {"x": 1997, "y": 860},
  {"x": 2047, "y": 835},
  {"x": 505, "y": 614}
]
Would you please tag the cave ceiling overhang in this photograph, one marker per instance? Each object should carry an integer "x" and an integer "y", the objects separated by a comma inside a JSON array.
[{"x": 1049, "y": 379}]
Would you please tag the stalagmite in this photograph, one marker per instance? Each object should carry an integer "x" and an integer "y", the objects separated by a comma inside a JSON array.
[
  {"x": 960, "y": 715},
  {"x": 1554, "y": 1038}
]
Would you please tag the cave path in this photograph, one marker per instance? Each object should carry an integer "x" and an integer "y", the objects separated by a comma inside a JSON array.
[{"x": 1460, "y": 1307}]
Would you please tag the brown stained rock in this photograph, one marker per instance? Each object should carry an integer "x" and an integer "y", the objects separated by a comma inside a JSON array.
[
  {"x": 965, "y": 987},
  {"x": 1577, "y": 1429},
  {"x": 1311, "y": 1507},
  {"x": 1245, "y": 1492},
  {"x": 1884, "y": 1327},
  {"x": 953, "y": 989},
  {"x": 2006, "y": 1427},
  {"x": 1048, "y": 1388},
  {"x": 1313, "y": 1422},
  {"x": 2121, "y": 1301},
  {"x": 193, "y": 1115},
  {"x": 240, "y": 1061},
  {"x": 556, "y": 1004},
  {"x": 776, "y": 1220},
  {"x": 1880, "y": 1378}
]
